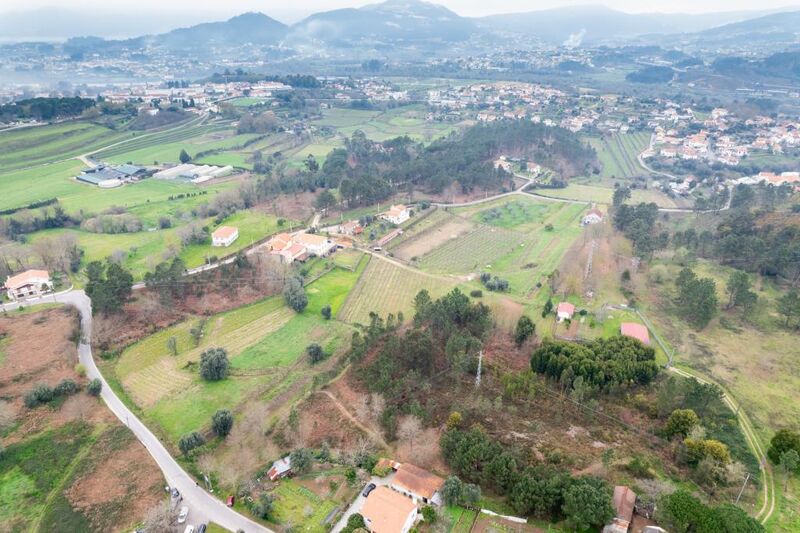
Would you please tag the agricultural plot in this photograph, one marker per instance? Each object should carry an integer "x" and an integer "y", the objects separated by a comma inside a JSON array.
[
  {"x": 430, "y": 233},
  {"x": 30, "y": 147},
  {"x": 385, "y": 288},
  {"x": 379, "y": 126},
  {"x": 618, "y": 154},
  {"x": 477, "y": 250},
  {"x": 265, "y": 341},
  {"x": 604, "y": 195},
  {"x": 523, "y": 213},
  {"x": 293, "y": 502}
]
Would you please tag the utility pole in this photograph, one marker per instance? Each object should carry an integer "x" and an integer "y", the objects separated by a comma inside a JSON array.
[
  {"x": 746, "y": 479},
  {"x": 480, "y": 367}
]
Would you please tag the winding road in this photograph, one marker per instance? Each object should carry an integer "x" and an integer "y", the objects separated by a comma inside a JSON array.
[{"x": 203, "y": 506}]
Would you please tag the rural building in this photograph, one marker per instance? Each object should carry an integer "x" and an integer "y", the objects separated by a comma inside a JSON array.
[
  {"x": 564, "y": 311},
  {"x": 28, "y": 283},
  {"x": 383, "y": 241},
  {"x": 224, "y": 236},
  {"x": 637, "y": 331},
  {"x": 351, "y": 228},
  {"x": 318, "y": 245},
  {"x": 280, "y": 469},
  {"x": 624, "y": 502},
  {"x": 108, "y": 177},
  {"x": 292, "y": 253},
  {"x": 386, "y": 511},
  {"x": 397, "y": 214},
  {"x": 194, "y": 173},
  {"x": 418, "y": 484},
  {"x": 279, "y": 242},
  {"x": 594, "y": 216}
]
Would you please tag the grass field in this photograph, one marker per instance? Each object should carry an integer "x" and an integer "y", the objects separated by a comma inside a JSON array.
[
  {"x": 474, "y": 251},
  {"x": 382, "y": 125},
  {"x": 300, "y": 507},
  {"x": 460, "y": 519},
  {"x": 388, "y": 288},
  {"x": 604, "y": 195},
  {"x": 263, "y": 340}
]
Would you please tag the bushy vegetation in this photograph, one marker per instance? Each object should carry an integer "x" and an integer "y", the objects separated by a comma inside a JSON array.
[
  {"x": 697, "y": 298},
  {"x": 109, "y": 286},
  {"x": 190, "y": 442},
  {"x": 222, "y": 423},
  {"x": 295, "y": 295},
  {"x": 42, "y": 394},
  {"x": 45, "y": 108},
  {"x": 541, "y": 491},
  {"x": 214, "y": 364},
  {"x": 603, "y": 364},
  {"x": 680, "y": 511}
]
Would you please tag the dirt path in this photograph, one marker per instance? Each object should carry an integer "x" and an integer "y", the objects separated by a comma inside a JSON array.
[{"x": 374, "y": 435}]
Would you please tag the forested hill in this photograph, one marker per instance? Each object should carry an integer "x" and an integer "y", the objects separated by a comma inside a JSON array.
[
  {"x": 45, "y": 108},
  {"x": 368, "y": 172}
]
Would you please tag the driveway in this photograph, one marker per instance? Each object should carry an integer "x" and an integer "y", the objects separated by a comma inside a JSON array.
[
  {"x": 358, "y": 503},
  {"x": 203, "y": 507}
]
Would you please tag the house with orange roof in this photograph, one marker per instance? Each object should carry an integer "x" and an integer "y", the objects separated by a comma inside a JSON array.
[
  {"x": 314, "y": 244},
  {"x": 564, "y": 311},
  {"x": 593, "y": 216},
  {"x": 279, "y": 242},
  {"x": 386, "y": 511},
  {"x": 28, "y": 283},
  {"x": 224, "y": 236},
  {"x": 418, "y": 484},
  {"x": 290, "y": 254}
]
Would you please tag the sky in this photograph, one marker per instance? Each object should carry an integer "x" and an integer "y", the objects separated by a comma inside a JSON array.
[{"x": 300, "y": 8}]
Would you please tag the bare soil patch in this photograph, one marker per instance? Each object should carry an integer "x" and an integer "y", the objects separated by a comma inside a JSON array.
[{"x": 432, "y": 238}]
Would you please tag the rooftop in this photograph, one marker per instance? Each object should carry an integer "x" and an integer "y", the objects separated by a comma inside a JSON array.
[
  {"x": 417, "y": 480},
  {"x": 225, "y": 232},
  {"x": 27, "y": 278},
  {"x": 386, "y": 510}
]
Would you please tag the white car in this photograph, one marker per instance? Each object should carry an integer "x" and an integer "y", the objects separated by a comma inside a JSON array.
[
  {"x": 189, "y": 529},
  {"x": 183, "y": 514}
]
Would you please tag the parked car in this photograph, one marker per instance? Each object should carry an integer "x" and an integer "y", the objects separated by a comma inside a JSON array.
[
  {"x": 369, "y": 488},
  {"x": 201, "y": 528},
  {"x": 176, "y": 494},
  {"x": 183, "y": 514},
  {"x": 231, "y": 500},
  {"x": 189, "y": 529}
]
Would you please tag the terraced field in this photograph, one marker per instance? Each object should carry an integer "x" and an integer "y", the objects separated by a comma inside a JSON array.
[
  {"x": 388, "y": 288},
  {"x": 618, "y": 154},
  {"x": 379, "y": 126},
  {"x": 165, "y": 147},
  {"x": 434, "y": 230}
]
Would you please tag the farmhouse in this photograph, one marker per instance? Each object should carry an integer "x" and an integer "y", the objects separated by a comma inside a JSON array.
[
  {"x": 418, "y": 484},
  {"x": 350, "y": 228},
  {"x": 280, "y": 468},
  {"x": 315, "y": 244},
  {"x": 593, "y": 216},
  {"x": 292, "y": 253},
  {"x": 279, "y": 242},
  {"x": 224, "y": 236},
  {"x": 637, "y": 331},
  {"x": 386, "y": 511},
  {"x": 28, "y": 283},
  {"x": 624, "y": 501},
  {"x": 564, "y": 311},
  {"x": 397, "y": 214},
  {"x": 107, "y": 177}
]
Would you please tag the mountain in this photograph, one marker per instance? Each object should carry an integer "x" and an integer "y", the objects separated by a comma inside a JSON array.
[
  {"x": 592, "y": 24},
  {"x": 409, "y": 21},
  {"x": 769, "y": 28},
  {"x": 255, "y": 28}
]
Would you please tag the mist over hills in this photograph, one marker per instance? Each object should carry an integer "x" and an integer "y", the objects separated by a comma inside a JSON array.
[{"x": 418, "y": 24}]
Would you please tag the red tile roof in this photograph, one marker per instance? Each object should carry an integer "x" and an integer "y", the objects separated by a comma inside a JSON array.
[{"x": 637, "y": 331}]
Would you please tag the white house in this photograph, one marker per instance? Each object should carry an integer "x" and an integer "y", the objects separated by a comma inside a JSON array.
[
  {"x": 224, "y": 236},
  {"x": 28, "y": 283},
  {"x": 564, "y": 311},
  {"x": 315, "y": 244},
  {"x": 280, "y": 468},
  {"x": 594, "y": 216},
  {"x": 397, "y": 214},
  {"x": 386, "y": 511}
]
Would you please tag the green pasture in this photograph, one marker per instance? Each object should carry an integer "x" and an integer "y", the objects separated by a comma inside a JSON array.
[
  {"x": 382, "y": 125},
  {"x": 297, "y": 505}
]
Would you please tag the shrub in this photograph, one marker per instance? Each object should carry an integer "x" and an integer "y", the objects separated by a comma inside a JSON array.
[
  {"x": 326, "y": 312},
  {"x": 222, "y": 422},
  {"x": 477, "y": 293},
  {"x": 295, "y": 295},
  {"x": 525, "y": 329},
  {"x": 301, "y": 460},
  {"x": 315, "y": 353},
  {"x": 262, "y": 507},
  {"x": 214, "y": 364},
  {"x": 454, "y": 420},
  {"x": 66, "y": 387},
  {"x": 80, "y": 370},
  {"x": 381, "y": 471},
  {"x": 429, "y": 514},
  {"x": 94, "y": 387},
  {"x": 681, "y": 422},
  {"x": 355, "y": 521},
  {"x": 783, "y": 441},
  {"x": 40, "y": 394},
  {"x": 699, "y": 449},
  {"x": 190, "y": 442}
]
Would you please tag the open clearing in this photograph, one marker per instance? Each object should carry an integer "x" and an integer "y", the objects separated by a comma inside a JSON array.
[
  {"x": 603, "y": 195},
  {"x": 437, "y": 229},
  {"x": 265, "y": 341},
  {"x": 618, "y": 153},
  {"x": 382, "y": 125}
]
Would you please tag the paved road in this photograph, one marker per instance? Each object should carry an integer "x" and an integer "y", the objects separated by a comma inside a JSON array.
[{"x": 203, "y": 506}]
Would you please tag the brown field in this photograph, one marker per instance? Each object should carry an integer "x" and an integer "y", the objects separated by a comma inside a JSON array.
[
  {"x": 447, "y": 229},
  {"x": 112, "y": 481}
]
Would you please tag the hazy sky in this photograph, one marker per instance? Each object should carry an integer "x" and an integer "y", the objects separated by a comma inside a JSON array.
[{"x": 298, "y": 8}]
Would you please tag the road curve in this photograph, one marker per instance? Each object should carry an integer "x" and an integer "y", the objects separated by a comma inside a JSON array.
[{"x": 203, "y": 506}]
